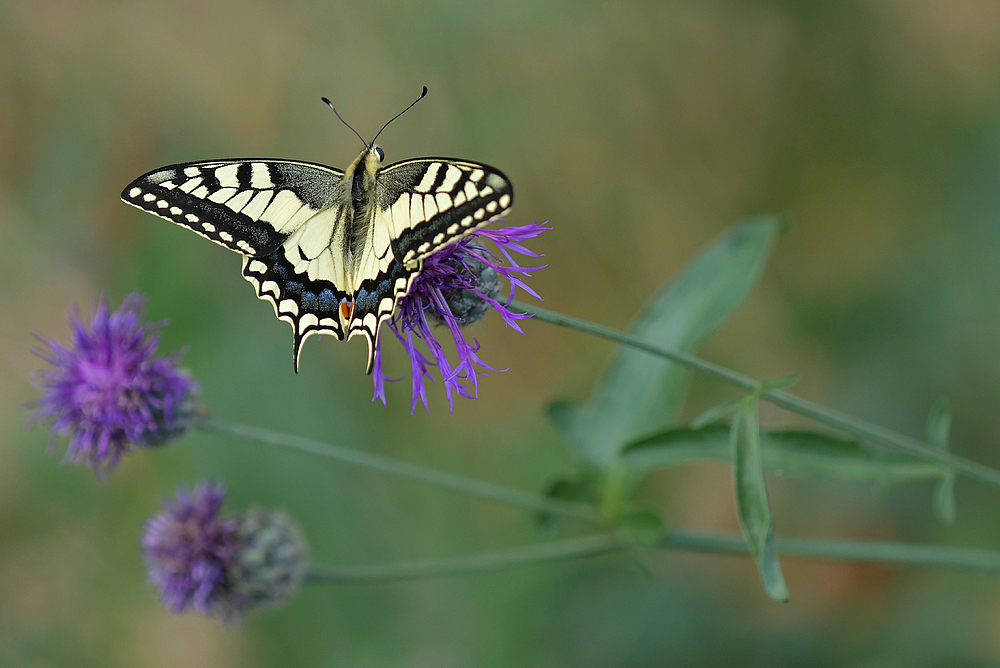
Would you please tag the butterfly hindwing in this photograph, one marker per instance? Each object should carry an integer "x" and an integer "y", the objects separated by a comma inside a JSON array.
[{"x": 309, "y": 306}]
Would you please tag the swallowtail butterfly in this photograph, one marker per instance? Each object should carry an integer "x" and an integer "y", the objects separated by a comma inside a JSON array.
[{"x": 333, "y": 251}]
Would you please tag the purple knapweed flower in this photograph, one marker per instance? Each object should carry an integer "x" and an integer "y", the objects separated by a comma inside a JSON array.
[
  {"x": 217, "y": 566},
  {"x": 109, "y": 391},
  {"x": 457, "y": 286}
]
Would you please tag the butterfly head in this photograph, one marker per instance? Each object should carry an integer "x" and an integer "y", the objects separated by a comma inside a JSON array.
[
  {"x": 373, "y": 158},
  {"x": 361, "y": 176}
]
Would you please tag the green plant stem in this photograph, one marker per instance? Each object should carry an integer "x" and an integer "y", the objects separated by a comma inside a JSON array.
[
  {"x": 586, "y": 546},
  {"x": 424, "y": 474},
  {"x": 897, "y": 554},
  {"x": 863, "y": 429}
]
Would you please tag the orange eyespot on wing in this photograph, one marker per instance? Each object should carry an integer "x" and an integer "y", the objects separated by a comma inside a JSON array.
[{"x": 346, "y": 310}]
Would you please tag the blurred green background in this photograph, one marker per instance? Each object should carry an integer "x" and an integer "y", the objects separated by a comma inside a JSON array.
[{"x": 640, "y": 130}]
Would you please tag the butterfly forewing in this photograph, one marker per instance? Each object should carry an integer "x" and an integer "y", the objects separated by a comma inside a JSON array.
[
  {"x": 430, "y": 203},
  {"x": 249, "y": 206}
]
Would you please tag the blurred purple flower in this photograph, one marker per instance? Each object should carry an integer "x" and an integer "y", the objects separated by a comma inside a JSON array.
[
  {"x": 109, "y": 391},
  {"x": 188, "y": 550},
  {"x": 219, "y": 566},
  {"x": 457, "y": 286}
]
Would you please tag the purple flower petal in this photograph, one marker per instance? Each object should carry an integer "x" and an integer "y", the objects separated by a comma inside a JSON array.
[
  {"x": 456, "y": 287},
  {"x": 109, "y": 391},
  {"x": 189, "y": 549},
  {"x": 220, "y": 566}
]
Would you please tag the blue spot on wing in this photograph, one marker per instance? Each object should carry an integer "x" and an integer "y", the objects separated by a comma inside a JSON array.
[
  {"x": 366, "y": 301},
  {"x": 327, "y": 300}
]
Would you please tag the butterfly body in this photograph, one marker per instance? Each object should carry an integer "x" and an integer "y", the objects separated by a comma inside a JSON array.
[{"x": 332, "y": 251}]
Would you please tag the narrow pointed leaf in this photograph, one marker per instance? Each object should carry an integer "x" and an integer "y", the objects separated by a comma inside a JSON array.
[
  {"x": 938, "y": 428},
  {"x": 944, "y": 499},
  {"x": 641, "y": 394},
  {"x": 792, "y": 452},
  {"x": 939, "y": 423},
  {"x": 751, "y": 499}
]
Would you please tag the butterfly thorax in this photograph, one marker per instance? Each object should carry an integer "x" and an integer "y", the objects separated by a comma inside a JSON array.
[{"x": 360, "y": 178}]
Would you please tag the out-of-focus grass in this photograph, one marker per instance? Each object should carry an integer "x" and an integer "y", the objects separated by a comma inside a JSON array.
[{"x": 640, "y": 130}]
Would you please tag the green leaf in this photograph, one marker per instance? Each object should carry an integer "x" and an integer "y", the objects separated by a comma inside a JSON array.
[
  {"x": 751, "y": 498},
  {"x": 640, "y": 393},
  {"x": 682, "y": 445},
  {"x": 938, "y": 428},
  {"x": 815, "y": 454},
  {"x": 944, "y": 499},
  {"x": 770, "y": 570},
  {"x": 792, "y": 452},
  {"x": 939, "y": 423}
]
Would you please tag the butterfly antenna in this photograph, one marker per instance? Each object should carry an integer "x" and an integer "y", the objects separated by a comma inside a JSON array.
[
  {"x": 422, "y": 95},
  {"x": 330, "y": 104}
]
